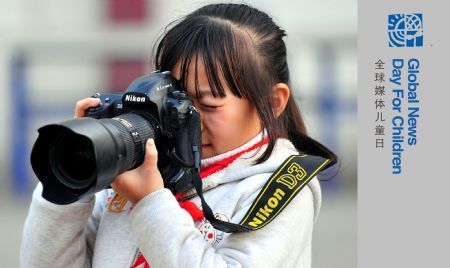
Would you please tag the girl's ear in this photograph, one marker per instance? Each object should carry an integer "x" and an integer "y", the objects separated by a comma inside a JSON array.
[{"x": 280, "y": 97}]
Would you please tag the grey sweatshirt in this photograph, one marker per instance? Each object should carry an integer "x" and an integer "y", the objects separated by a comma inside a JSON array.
[{"x": 89, "y": 233}]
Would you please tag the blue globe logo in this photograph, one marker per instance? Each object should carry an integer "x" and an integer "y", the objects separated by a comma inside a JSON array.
[{"x": 405, "y": 30}]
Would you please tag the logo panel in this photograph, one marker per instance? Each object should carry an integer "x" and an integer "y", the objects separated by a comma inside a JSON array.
[{"x": 405, "y": 30}]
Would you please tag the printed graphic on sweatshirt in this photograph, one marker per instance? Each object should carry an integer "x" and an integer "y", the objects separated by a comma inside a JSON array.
[
  {"x": 109, "y": 196},
  {"x": 117, "y": 203},
  {"x": 210, "y": 234}
]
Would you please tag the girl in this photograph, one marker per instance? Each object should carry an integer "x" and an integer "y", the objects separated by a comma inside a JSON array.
[{"x": 231, "y": 59}]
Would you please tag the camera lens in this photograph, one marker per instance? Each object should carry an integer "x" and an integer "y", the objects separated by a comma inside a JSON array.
[
  {"x": 132, "y": 130},
  {"x": 74, "y": 160},
  {"x": 80, "y": 156}
]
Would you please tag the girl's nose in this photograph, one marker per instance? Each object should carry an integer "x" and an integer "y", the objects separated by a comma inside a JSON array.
[
  {"x": 197, "y": 106},
  {"x": 201, "y": 123},
  {"x": 201, "y": 117}
]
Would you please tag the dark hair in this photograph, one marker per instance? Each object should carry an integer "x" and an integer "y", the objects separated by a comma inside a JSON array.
[{"x": 245, "y": 46}]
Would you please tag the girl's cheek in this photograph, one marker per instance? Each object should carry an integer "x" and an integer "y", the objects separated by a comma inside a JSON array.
[{"x": 217, "y": 121}]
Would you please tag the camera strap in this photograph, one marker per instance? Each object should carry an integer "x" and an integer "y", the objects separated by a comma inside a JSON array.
[{"x": 283, "y": 185}]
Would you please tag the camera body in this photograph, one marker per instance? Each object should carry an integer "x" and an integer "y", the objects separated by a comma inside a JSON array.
[
  {"x": 79, "y": 157},
  {"x": 158, "y": 98}
]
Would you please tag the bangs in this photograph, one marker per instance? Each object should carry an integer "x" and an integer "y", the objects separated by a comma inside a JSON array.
[{"x": 220, "y": 46}]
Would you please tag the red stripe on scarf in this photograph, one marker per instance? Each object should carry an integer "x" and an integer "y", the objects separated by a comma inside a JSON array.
[
  {"x": 140, "y": 262},
  {"x": 219, "y": 165}
]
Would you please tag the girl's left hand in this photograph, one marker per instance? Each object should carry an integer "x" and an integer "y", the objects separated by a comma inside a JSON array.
[{"x": 143, "y": 180}]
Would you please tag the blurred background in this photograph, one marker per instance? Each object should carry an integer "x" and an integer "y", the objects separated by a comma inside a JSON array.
[{"x": 53, "y": 53}]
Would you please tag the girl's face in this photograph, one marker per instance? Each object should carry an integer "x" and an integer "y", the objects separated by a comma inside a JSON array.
[{"x": 226, "y": 123}]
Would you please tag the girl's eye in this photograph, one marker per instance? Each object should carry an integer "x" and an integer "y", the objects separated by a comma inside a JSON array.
[{"x": 209, "y": 107}]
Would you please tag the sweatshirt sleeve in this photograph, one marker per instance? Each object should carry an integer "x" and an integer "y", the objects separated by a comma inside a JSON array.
[
  {"x": 168, "y": 237},
  {"x": 59, "y": 235}
]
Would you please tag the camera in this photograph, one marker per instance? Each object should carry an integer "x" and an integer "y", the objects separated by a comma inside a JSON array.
[{"x": 79, "y": 157}]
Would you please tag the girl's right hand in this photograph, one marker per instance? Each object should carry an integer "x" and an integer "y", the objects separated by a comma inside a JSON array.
[{"x": 83, "y": 105}]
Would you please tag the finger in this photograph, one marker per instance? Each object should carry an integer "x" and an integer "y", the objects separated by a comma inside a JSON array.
[
  {"x": 151, "y": 154},
  {"x": 83, "y": 105}
]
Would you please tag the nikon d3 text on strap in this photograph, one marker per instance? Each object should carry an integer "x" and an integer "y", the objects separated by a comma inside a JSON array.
[{"x": 284, "y": 184}]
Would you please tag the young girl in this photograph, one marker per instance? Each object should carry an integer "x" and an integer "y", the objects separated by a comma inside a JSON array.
[{"x": 231, "y": 59}]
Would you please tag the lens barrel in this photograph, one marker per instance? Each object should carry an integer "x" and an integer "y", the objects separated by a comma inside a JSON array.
[{"x": 79, "y": 157}]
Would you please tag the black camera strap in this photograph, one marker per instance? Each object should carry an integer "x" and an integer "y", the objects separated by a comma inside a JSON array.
[{"x": 284, "y": 184}]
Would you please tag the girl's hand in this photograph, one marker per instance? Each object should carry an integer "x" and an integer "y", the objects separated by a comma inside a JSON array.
[
  {"x": 139, "y": 182},
  {"x": 143, "y": 180},
  {"x": 83, "y": 105}
]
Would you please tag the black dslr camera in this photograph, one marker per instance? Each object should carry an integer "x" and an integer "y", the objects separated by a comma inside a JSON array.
[{"x": 82, "y": 156}]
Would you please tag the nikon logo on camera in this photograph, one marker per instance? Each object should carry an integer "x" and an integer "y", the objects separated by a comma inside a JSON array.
[{"x": 134, "y": 98}]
